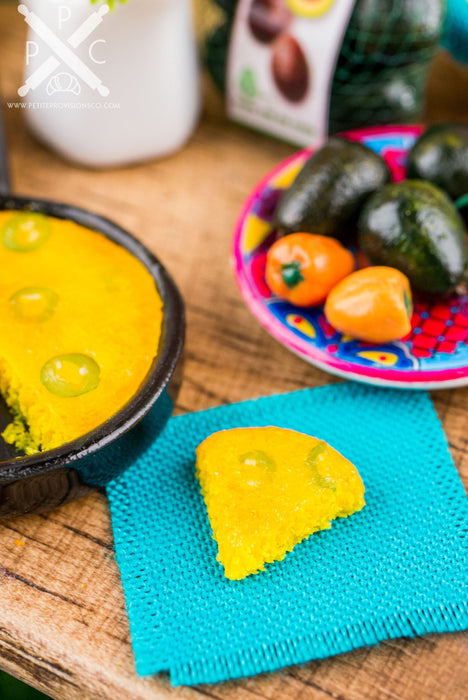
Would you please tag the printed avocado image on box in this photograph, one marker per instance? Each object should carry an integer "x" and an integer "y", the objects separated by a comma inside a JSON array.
[{"x": 282, "y": 59}]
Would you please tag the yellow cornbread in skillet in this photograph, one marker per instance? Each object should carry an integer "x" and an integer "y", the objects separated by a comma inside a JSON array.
[
  {"x": 80, "y": 321},
  {"x": 266, "y": 489}
]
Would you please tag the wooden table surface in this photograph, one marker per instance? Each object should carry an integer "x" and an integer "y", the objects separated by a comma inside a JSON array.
[{"x": 63, "y": 626}]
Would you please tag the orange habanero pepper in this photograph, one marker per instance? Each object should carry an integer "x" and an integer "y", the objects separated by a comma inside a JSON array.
[
  {"x": 373, "y": 304},
  {"x": 304, "y": 267}
]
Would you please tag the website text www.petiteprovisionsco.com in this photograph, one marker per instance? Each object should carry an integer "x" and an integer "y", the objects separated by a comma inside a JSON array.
[{"x": 63, "y": 105}]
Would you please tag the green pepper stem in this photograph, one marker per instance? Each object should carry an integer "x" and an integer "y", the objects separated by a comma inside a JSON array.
[
  {"x": 462, "y": 201},
  {"x": 291, "y": 273}
]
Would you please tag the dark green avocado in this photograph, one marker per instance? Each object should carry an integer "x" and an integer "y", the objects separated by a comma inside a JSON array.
[
  {"x": 229, "y": 6},
  {"x": 216, "y": 53},
  {"x": 392, "y": 95},
  {"x": 414, "y": 227},
  {"x": 440, "y": 156},
  {"x": 394, "y": 32},
  {"x": 330, "y": 189}
]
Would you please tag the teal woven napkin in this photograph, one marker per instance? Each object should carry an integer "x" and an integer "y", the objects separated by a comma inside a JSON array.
[{"x": 397, "y": 568}]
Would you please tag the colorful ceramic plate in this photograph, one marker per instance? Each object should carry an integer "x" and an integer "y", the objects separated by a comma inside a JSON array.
[{"x": 433, "y": 356}]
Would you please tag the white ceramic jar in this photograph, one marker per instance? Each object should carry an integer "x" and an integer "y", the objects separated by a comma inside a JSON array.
[{"x": 107, "y": 89}]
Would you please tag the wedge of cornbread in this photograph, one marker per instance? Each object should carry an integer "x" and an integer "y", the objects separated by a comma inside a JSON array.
[
  {"x": 80, "y": 320},
  {"x": 266, "y": 489}
]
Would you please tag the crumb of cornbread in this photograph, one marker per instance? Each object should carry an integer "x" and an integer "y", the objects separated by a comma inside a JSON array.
[
  {"x": 107, "y": 307},
  {"x": 266, "y": 489}
]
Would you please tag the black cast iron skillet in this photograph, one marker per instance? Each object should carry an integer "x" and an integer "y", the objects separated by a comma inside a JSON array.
[{"x": 48, "y": 479}]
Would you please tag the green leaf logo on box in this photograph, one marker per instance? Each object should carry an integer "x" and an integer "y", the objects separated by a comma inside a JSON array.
[{"x": 247, "y": 83}]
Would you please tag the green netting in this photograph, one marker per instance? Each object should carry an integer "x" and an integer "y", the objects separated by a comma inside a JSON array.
[{"x": 381, "y": 70}]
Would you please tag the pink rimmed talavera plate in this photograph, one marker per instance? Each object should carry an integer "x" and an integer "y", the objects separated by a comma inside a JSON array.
[{"x": 433, "y": 356}]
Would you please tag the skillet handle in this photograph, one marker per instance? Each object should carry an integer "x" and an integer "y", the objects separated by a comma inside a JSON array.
[{"x": 4, "y": 174}]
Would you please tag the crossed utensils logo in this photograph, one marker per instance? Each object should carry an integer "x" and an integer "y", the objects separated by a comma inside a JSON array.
[{"x": 63, "y": 55}]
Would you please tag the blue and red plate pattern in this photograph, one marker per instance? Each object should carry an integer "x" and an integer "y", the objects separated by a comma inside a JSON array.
[{"x": 433, "y": 355}]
